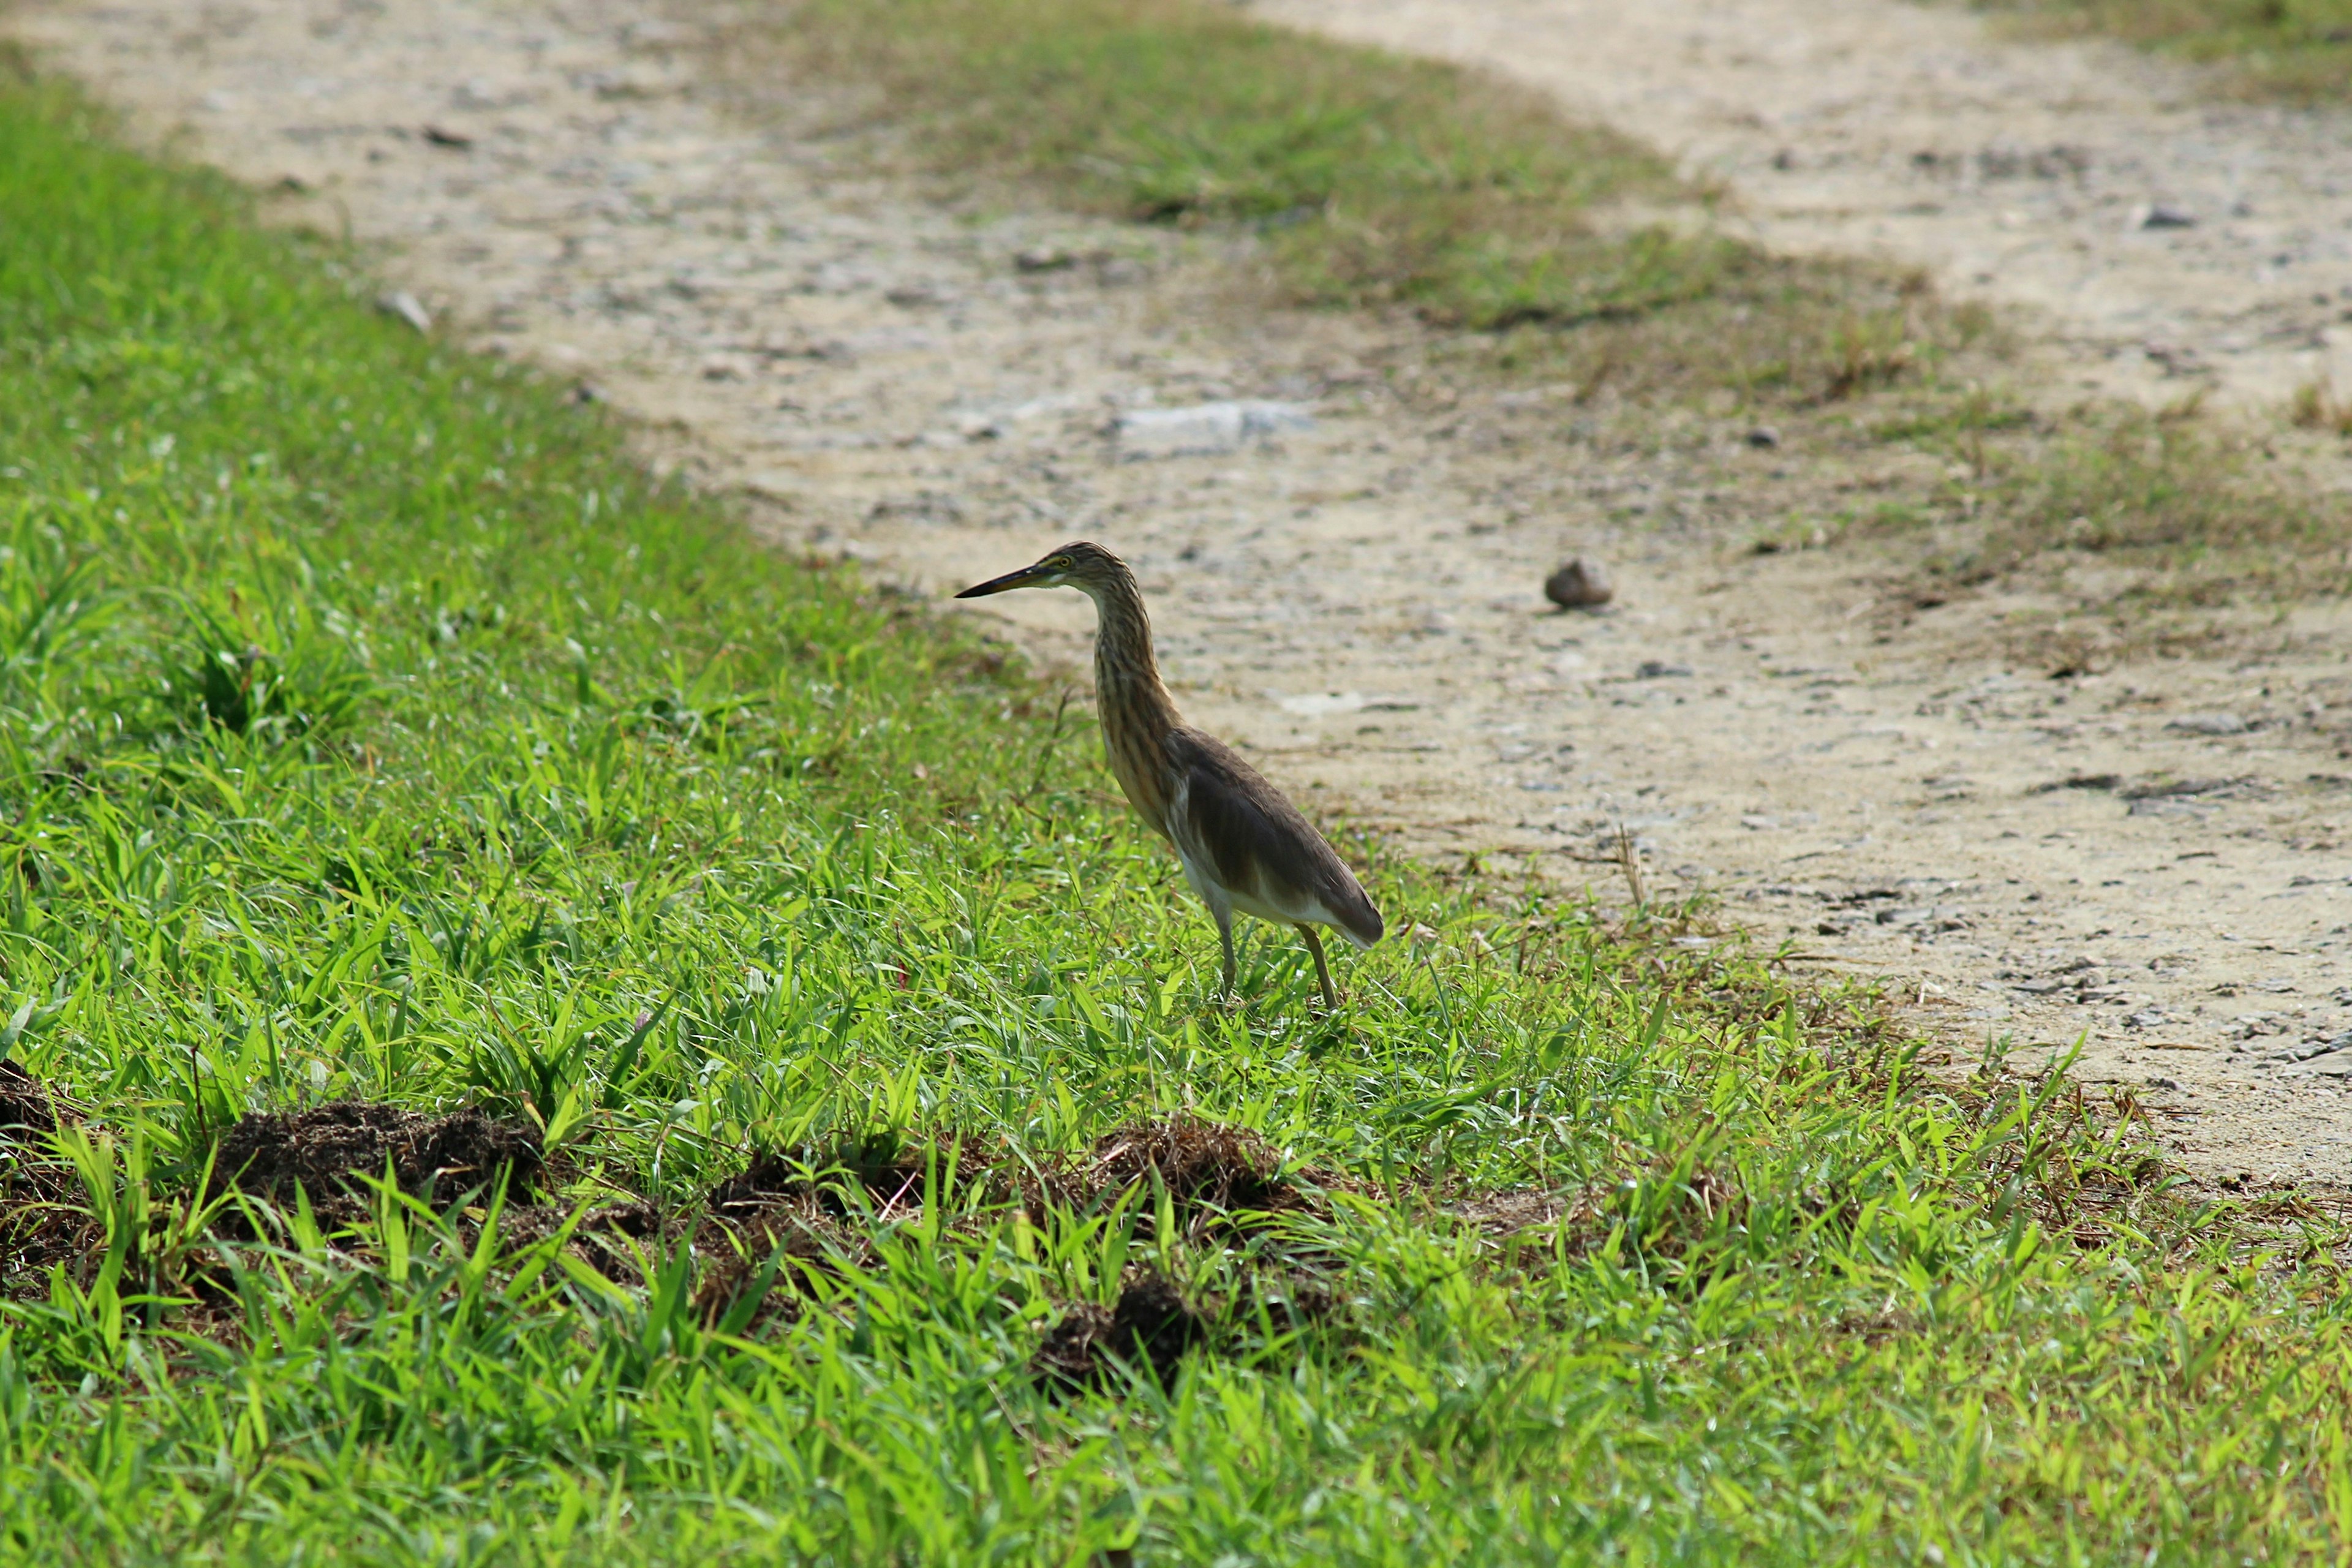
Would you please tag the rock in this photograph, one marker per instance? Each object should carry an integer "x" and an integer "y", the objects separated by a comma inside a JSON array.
[
  {"x": 1579, "y": 585},
  {"x": 442, "y": 136},
  {"x": 407, "y": 307},
  {"x": 1659, "y": 670},
  {"x": 1205, "y": 428},
  {"x": 2210, "y": 724},
  {"x": 2162, "y": 215},
  {"x": 1046, "y": 258},
  {"x": 1763, "y": 435}
]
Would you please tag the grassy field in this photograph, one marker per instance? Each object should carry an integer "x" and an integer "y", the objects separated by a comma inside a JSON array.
[
  {"x": 792, "y": 1125},
  {"x": 2300, "y": 50}
]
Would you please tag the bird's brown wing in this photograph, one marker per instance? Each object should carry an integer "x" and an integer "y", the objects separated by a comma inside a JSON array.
[{"x": 1257, "y": 842}]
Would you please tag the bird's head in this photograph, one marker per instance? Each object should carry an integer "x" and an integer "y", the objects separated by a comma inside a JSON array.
[{"x": 1088, "y": 568}]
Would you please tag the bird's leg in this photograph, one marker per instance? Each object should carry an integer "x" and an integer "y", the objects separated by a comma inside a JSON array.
[
  {"x": 1322, "y": 970},
  {"x": 1226, "y": 932}
]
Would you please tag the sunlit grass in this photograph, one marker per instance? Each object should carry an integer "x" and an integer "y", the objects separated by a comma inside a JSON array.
[{"x": 374, "y": 729}]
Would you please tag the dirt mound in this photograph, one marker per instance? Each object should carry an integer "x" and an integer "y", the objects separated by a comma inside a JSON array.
[
  {"x": 24, "y": 1103},
  {"x": 1152, "y": 1325},
  {"x": 604, "y": 1237},
  {"x": 1209, "y": 1169},
  {"x": 895, "y": 1175},
  {"x": 39, "y": 1222},
  {"x": 796, "y": 1210},
  {"x": 330, "y": 1151}
]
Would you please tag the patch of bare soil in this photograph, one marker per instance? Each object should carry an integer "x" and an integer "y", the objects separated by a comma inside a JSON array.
[
  {"x": 787, "y": 1221},
  {"x": 1350, "y": 587},
  {"x": 331, "y": 1152},
  {"x": 40, "y": 1225},
  {"x": 1209, "y": 1172},
  {"x": 25, "y": 1108},
  {"x": 1151, "y": 1326}
]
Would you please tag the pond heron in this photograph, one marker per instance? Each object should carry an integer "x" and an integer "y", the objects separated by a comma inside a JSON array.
[{"x": 1243, "y": 846}]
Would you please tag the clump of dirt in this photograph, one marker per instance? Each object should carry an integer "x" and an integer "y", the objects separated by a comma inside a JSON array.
[
  {"x": 602, "y": 1237},
  {"x": 801, "y": 1248},
  {"x": 1210, "y": 1170},
  {"x": 330, "y": 1150},
  {"x": 897, "y": 1175},
  {"x": 1152, "y": 1325},
  {"x": 39, "y": 1223},
  {"x": 798, "y": 1208},
  {"x": 803, "y": 1237},
  {"x": 24, "y": 1103}
]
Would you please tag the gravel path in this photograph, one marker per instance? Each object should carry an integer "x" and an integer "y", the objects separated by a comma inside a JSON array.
[{"x": 1356, "y": 597}]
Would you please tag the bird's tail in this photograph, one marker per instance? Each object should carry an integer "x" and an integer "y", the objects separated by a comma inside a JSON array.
[{"x": 1362, "y": 921}]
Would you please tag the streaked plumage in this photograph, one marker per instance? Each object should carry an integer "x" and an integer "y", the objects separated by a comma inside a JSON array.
[{"x": 1243, "y": 846}]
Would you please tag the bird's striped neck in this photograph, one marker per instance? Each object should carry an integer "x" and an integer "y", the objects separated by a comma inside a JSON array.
[
  {"x": 1137, "y": 714},
  {"x": 1127, "y": 676}
]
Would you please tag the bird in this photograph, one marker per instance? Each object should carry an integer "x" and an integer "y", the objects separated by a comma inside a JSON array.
[{"x": 1245, "y": 848}]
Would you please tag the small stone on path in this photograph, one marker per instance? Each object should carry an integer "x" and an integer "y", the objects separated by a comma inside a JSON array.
[{"x": 1579, "y": 584}]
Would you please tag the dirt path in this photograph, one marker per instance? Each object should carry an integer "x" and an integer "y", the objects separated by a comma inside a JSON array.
[
  {"x": 1355, "y": 598},
  {"x": 2166, "y": 240}
]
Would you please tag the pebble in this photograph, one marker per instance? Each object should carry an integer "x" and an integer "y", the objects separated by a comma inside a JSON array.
[
  {"x": 1659, "y": 670},
  {"x": 1764, "y": 436},
  {"x": 2162, "y": 215},
  {"x": 2210, "y": 724},
  {"x": 1579, "y": 585}
]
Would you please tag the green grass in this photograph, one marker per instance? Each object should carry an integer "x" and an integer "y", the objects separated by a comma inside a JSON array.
[
  {"x": 373, "y": 729},
  {"x": 2300, "y": 50}
]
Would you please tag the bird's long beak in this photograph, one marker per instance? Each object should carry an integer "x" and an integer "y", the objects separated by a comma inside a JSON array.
[{"x": 1026, "y": 577}]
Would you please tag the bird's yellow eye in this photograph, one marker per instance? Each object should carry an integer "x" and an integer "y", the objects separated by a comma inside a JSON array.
[{"x": 1062, "y": 564}]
